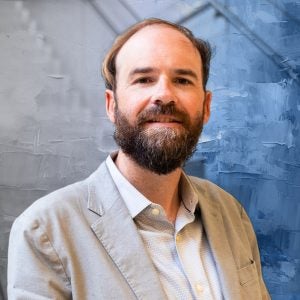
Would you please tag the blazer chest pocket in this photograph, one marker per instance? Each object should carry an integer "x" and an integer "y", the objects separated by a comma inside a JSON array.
[{"x": 248, "y": 274}]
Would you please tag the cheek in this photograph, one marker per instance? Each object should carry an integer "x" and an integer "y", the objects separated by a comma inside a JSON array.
[
  {"x": 128, "y": 110},
  {"x": 193, "y": 105},
  {"x": 134, "y": 101}
]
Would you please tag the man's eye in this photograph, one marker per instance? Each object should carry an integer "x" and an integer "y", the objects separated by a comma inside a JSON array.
[
  {"x": 143, "y": 80},
  {"x": 183, "y": 81}
]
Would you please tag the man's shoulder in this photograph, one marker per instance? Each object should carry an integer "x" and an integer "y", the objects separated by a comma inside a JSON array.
[
  {"x": 212, "y": 192},
  {"x": 58, "y": 204},
  {"x": 207, "y": 186},
  {"x": 62, "y": 204}
]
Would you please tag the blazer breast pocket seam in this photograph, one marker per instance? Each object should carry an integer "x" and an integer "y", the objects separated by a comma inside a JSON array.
[{"x": 248, "y": 273}]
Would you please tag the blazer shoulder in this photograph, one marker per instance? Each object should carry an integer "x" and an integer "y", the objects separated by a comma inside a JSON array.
[
  {"x": 57, "y": 205},
  {"x": 212, "y": 193}
]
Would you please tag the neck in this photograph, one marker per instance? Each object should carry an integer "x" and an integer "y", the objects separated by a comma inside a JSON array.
[{"x": 159, "y": 189}]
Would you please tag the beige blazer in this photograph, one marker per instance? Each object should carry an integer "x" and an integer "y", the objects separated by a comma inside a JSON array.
[{"x": 80, "y": 242}]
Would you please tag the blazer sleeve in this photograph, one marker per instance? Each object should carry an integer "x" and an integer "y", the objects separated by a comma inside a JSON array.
[
  {"x": 255, "y": 252},
  {"x": 35, "y": 270}
]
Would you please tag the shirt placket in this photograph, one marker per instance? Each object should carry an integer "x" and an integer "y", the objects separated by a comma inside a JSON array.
[
  {"x": 197, "y": 280},
  {"x": 156, "y": 213}
]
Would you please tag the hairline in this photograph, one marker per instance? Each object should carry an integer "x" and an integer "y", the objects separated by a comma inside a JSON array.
[
  {"x": 109, "y": 71},
  {"x": 164, "y": 25}
]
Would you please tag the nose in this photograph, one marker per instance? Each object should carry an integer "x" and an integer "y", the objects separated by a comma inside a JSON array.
[{"x": 163, "y": 92}]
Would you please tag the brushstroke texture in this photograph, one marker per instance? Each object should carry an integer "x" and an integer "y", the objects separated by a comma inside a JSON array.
[{"x": 252, "y": 144}]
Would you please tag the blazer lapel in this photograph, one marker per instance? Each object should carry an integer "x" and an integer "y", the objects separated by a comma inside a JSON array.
[
  {"x": 118, "y": 234},
  {"x": 219, "y": 244}
]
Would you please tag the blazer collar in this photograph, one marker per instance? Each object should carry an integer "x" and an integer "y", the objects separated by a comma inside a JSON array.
[
  {"x": 118, "y": 234},
  {"x": 217, "y": 237}
]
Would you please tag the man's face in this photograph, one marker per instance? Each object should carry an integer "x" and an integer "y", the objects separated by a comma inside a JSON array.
[{"x": 159, "y": 106}]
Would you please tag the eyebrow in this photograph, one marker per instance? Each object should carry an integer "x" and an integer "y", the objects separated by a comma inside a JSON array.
[
  {"x": 186, "y": 72},
  {"x": 147, "y": 70}
]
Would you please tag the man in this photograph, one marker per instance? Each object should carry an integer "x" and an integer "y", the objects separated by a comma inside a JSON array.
[{"x": 139, "y": 228}]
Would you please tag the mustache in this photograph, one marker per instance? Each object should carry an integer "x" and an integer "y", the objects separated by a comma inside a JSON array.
[{"x": 163, "y": 110}]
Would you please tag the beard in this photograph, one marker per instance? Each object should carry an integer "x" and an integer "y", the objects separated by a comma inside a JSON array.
[{"x": 158, "y": 149}]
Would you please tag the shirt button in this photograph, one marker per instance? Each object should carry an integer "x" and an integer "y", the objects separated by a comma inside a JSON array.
[
  {"x": 178, "y": 238},
  {"x": 155, "y": 211},
  {"x": 44, "y": 238},
  {"x": 199, "y": 288},
  {"x": 35, "y": 225}
]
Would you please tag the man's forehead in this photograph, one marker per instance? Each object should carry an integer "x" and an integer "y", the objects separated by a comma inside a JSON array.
[
  {"x": 154, "y": 38},
  {"x": 155, "y": 30}
]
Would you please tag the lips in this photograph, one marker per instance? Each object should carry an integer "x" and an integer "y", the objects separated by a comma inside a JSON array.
[
  {"x": 164, "y": 114},
  {"x": 163, "y": 119}
]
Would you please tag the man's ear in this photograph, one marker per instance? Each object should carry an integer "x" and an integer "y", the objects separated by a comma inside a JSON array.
[
  {"x": 110, "y": 104},
  {"x": 206, "y": 106}
]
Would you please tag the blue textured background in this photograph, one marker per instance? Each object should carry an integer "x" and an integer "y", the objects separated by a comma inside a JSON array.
[
  {"x": 251, "y": 146},
  {"x": 54, "y": 131}
]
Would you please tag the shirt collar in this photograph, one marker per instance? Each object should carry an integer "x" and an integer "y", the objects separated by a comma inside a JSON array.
[
  {"x": 136, "y": 202},
  {"x": 188, "y": 194}
]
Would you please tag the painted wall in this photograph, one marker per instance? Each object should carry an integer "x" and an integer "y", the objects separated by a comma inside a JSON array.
[
  {"x": 252, "y": 145},
  {"x": 53, "y": 128}
]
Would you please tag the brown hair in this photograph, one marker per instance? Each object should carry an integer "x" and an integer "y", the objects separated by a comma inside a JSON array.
[{"x": 109, "y": 62}]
